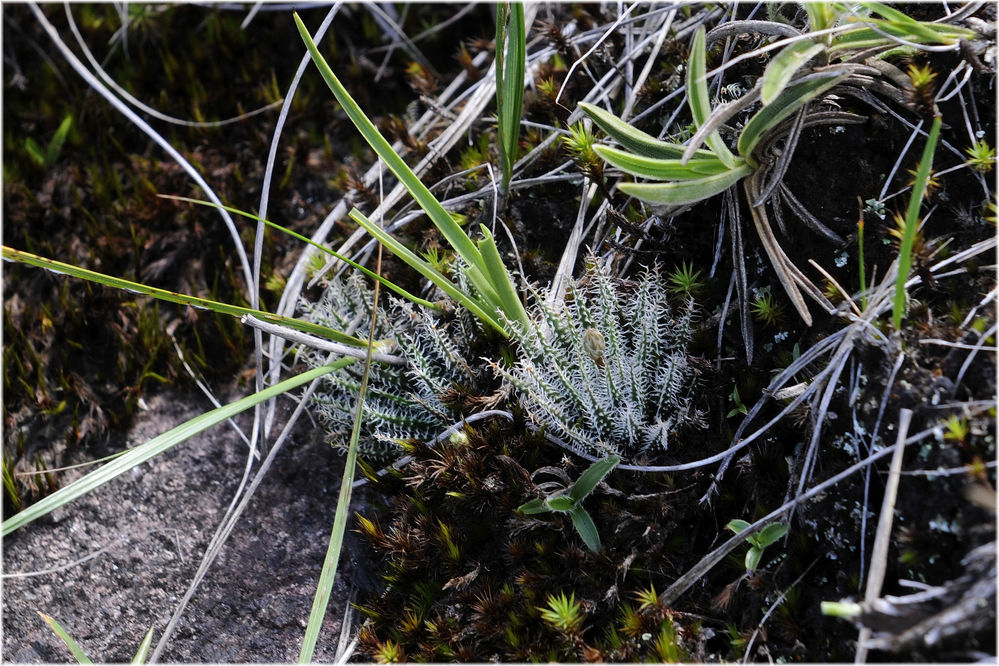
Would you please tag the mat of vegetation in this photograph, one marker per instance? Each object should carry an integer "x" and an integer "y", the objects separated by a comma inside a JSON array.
[{"x": 700, "y": 340}]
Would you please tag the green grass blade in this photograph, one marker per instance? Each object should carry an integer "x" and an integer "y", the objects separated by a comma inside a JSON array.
[
  {"x": 699, "y": 99},
  {"x": 636, "y": 140},
  {"x": 912, "y": 222},
  {"x": 784, "y": 65},
  {"x": 793, "y": 98},
  {"x": 509, "y": 299},
  {"x": 176, "y": 297},
  {"x": 688, "y": 191},
  {"x": 58, "y": 140},
  {"x": 142, "y": 654},
  {"x": 427, "y": 271},
  {"x": 593, "y": 475},
  {"x": 450, "y": 229},
  {"x": 327, "y": 575},
  {"x": 274, "y": 225},
  {"x": 73, "y": 646},
  {"x": 158, "y": 445},
  {"x": 511, "y": 63},
  {"x": 909, "y": 28},
  {"x": 661, "y": 169}
]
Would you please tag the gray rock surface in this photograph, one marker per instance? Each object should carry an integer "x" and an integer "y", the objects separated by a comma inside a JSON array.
[{"x": 153, "y": 525}]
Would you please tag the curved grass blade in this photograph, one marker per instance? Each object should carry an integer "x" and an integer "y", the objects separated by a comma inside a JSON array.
[
  {"x": 635, "y": 139},
  {"x": 686, "y": 192},
  {"x": 427, "y": 271},
  {"x": 73, "y": 646},
  {"x": 61, "y": 268},
  {"x": 660, "y": 169},
  {"x": 508, "y": 298},
  {"x": 790, "y": 100},
  {"x": 157, "y": 445},
  {"x": 450, "y": 229},
  {"x": 699, "y": 99},
  {"x": 780, "y": 70},
  {"x": 511, "y": 63},
  {"x": 347, "y": 260},
  {"x": 912, "y": 221},
  {"x": 327, "y": 575}
]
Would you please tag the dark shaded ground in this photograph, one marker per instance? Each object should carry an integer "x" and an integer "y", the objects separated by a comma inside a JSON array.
[{"x": 255, "y": 601}]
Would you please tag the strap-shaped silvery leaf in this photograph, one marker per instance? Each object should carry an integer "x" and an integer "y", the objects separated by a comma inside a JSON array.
[
  {"x": 793, "y": 98},
  {"x": 904, "y": 26},
  {"x": 699, "y": 99},
  {"x": 560, "y": 503},
  {"x": 536, "y": 505},
  {"x": 635, "y": 139},
  {"x": 686, "y": 191},
  {"x": 593, "y": 475},
  {"x": 784, "y": 65},
  {"x": 660, "y": 169}
]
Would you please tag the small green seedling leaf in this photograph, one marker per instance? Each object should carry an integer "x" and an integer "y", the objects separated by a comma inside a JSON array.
[
  {"x": 536, "y": 505},
  {"x": 784, "y": 65},
  {"x": 768, "y": 535},
  {"x": 737, "y": 525},
  {"x": 753, "y": 558},
  {"x": 57, "y": 142},
  {"x": 73, "y": 646},
  {"x": 560, "y": 503},
  {"x": 593, "y": 475},
  {"x": 584, "y": 526}
]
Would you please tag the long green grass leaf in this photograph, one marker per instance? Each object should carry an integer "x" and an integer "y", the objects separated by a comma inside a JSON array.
[
  {"x": 427, "y": 271},
  {"x": 305, "y": 239},
  {"x": 156, "y": 446},
  {"x": 327, "y": 575},
  {"x": 176, "y": 297},
  {"x": 511, "y": 63},
  {"x": 450, "y": 229},
  {"x": 687, "y": 191},
  {"x": 636, "y": 140},
  {"x": 699, "y": 99},
  {"x": 912, "y": 222},
  {"x": 793, "y": 98},
  {"x": 660, "y": 169},
  {"x": 73, "y": 646},
  {"x": 509, "y": 299},
  {"x": 784, "y": 65},
  {"x": 142, "y": 654}
]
